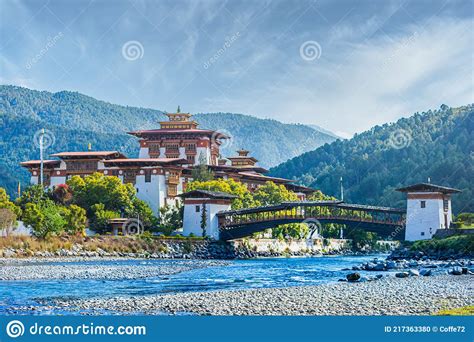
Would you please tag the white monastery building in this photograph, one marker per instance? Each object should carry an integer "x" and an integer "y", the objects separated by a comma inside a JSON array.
[
  {"x": 166, "y": 159},
  {"x": 428, "y": 209}
]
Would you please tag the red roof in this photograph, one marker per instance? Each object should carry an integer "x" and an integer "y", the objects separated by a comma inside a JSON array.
[
  {"x": 88, "y": 154},
  {"x": 184, "y": 131},
  {"x": 37, "y": 162},
  {"x": 428, "y": 187},
  {"x": 238, "y": 168},
  {"x": 146, "y": 161},
  {"x": 259, "y": 176}
]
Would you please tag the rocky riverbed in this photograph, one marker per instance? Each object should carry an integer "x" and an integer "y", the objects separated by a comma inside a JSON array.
[
  {"x": 64, "y": 268},
  {"x": 386, "y": 296}
]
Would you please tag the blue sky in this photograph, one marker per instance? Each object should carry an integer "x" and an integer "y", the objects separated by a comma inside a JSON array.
[{"x": 343, "y": 65}]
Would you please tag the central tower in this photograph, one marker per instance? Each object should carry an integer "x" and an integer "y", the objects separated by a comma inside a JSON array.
[{"x": 180, "y": 137}]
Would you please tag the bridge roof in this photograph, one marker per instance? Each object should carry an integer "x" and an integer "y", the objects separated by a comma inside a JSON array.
[
  {"x": 371, "y": 207},
  {"x": 428, "y": 187},
  {"x": 207, "y": 194},
  {"x": 287, "y": 205}
]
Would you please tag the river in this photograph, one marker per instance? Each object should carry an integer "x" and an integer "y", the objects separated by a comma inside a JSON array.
[{"x": 239, "y": 274}]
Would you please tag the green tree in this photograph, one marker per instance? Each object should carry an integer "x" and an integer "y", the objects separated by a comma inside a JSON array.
[
  {"x": 171, "y": 218},
  {"x": 271, "y": 193},
  {"x": 142, "y": 210},
  {"x": 76, "y": 219},
  {"x": 33, "y": 194},
  {"x": 106, "y": 196},
  {"x": 203, "y": 219},
  {"x": 244, "y": 196},
  {"x": 100, "y": 218},
  {"x": 362, "y": 239},
  {"x": 98, "y": 188},
  {"x": 5, "y": 203},
  {"x": 201, "y": 172},
  {"x": 45, "y": 218}
]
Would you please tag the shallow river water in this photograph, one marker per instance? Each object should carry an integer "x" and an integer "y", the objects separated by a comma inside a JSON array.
[{"x": 240, "y": 274}]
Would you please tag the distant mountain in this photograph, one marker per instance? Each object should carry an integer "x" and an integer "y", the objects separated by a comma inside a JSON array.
[
  {"x": 435, "y": 144},
  {"x": 320, "y": 129},
  {"x": 76, "y": 120}
]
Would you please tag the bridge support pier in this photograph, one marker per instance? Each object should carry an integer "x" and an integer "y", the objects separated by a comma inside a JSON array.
[{"x": 200, "y": 212}]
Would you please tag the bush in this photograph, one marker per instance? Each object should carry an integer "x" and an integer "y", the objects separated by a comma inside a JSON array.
[
  {"x": 45, "y": 218},
  {"x": 7, "y": 220}
]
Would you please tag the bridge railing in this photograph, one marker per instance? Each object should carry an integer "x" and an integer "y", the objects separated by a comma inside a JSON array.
[{"x": 331, "y": 210}]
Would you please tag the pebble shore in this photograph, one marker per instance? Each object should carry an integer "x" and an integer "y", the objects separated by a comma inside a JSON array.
[
  {"x": 387, "y": 296},
  {"x": 33, "y": 270}
]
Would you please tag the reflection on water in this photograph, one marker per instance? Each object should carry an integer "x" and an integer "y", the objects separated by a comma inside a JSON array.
[{"x": 241, "y": 274}]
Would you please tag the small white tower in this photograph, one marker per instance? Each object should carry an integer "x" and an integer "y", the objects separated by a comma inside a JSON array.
[
  {"x": 428, "y": 209},
  {"x": 200, "y": 212}
]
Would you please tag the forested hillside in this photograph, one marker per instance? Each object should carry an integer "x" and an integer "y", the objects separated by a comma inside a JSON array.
[
  {"x": 76, "y": 120},
  {"x": 436, "y": 144}
]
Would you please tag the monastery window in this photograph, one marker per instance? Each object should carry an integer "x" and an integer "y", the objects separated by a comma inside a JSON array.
[
  {"x": 190, "y": 147},
  {"x": 198, "y": 208},
  {"x": 129, "y": 176},
  {"x": 190, "y": 159},
  {"x": 172, "y": 190},
  {"x": 445, "y": 205},
  {"x": 82, "y": 165},
  {"x": 154, "y": 149},
  {"x": 423, "y": 204},
  {"x": 147, "y": 176}
]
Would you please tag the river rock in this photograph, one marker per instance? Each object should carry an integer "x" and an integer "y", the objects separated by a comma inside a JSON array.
[
  {"x": 425, "y": 272},
  {"x": 379, "y": 267},
  {"x": 353, "y": 276},
  {"x": 402, "y": 275},
  {"x": 457, "y": 270},
  {"x": 414, "y": 273},
  {"x": 391, "y": 265}
]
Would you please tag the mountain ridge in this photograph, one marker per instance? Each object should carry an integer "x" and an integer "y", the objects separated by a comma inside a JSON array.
[
  {"x": 435, "y": 144},
  {"x": 76, "y": 119}
]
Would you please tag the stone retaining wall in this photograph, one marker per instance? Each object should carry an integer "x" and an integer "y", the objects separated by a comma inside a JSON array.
[{"x": 444, "y": 233}]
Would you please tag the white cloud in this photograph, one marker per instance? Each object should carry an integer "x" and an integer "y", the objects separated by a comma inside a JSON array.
[{"x": 354, "y": 87}]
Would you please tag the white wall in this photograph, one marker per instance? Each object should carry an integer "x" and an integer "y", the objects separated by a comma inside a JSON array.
[
  {"x": 144, "y": 152},
  {"x": 204, "y": 151},
  {"x": 34, "y": 180},
  {"x": 149, "y": 192},
  {"x": 420, "y": 220},
  {"x": 55, "y": 180},
  {"x": 19, "y": 230},
  {"x": 192, "y": 219}
]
